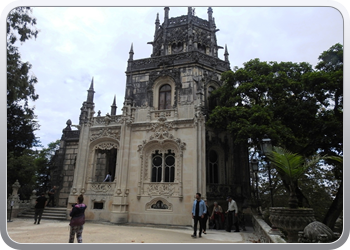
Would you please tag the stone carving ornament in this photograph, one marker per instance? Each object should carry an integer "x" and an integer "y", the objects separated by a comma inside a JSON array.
[
  {"x": 105, "y": 132},
  {"x": 160, "y": 189},
  {"x": 101, "y": 187}
]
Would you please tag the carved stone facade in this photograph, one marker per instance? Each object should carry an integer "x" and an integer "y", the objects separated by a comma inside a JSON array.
[{"x": 159, "y": 152}]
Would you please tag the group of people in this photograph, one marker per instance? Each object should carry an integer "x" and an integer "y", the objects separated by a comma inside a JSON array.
[{"x": 200, "y": 215}]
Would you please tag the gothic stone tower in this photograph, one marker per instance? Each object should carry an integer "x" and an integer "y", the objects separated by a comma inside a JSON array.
[{"x": 158, "y": 151}]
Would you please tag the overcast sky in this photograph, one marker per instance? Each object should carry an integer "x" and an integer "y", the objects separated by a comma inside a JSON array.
[{"x": 76, "y": 44}]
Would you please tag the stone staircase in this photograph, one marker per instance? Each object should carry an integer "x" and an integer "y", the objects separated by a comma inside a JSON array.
[{"x": 51, "y": 213}]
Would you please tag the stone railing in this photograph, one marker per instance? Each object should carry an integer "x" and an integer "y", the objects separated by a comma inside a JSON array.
[
  {"x": 15, "y": 205},
  {"x": 265, "y": 233}
]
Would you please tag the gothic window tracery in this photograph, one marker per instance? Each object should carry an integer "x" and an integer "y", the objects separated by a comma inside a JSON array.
[
  {"x": 213, "y": 167},
  {"x": 163, "y": 167}
]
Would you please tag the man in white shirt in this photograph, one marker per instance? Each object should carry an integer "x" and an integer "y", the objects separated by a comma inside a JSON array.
[{"x": 232, "y": 209}]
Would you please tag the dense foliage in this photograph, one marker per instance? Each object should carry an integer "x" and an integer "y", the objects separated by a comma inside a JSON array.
[
  {"x": 21, "y": 123},
  {"x": 298, "y": 107}
]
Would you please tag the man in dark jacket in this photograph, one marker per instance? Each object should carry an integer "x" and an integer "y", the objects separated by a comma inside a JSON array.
[{"x": 40, "y": 204}]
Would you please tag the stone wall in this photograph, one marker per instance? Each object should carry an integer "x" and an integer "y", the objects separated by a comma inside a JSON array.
[{"x": 67, "y": 172}]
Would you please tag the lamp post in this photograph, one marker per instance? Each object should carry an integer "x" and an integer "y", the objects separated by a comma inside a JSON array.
[
  {"x": 254, "y": 164},
  {"x": 266, "y": 148}
]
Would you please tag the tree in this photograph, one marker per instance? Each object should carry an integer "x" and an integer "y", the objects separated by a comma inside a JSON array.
[
  {"x": 44, "y": 163},
  {"x": 21, "y": 122},
  {"x": 291, "y": 166},
  {"x": 298, "y": 107}
]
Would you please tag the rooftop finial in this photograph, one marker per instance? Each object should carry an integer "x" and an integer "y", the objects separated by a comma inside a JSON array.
[
  {"x": 226, "y": 54},
  {"x": 114, "y": 107},
  {"x": 131, "y": 53},
  {"x": 166, "y": 16},
  {"x": 90, "y": 96},
  {"x": 92, "y": 84}
]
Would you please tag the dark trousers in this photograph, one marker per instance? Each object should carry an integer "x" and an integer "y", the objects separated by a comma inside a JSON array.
[
  {"x": 51, "y": 198},
  {"x": 231, "y": 219},
  {"x": 38, "y": 214},
  {"x": 196, "y": 220},
  {"x": 204, "y": 222}
]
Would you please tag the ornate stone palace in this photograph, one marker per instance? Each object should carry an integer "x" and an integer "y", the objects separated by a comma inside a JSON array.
[{"x": 159, "y": 151}]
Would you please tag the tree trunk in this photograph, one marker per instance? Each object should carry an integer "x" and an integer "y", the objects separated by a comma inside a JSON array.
[{"x": 335, "y": 209}]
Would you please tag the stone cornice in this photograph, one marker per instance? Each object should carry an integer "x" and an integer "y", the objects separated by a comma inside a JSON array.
[{"x": 191, "y": 57}]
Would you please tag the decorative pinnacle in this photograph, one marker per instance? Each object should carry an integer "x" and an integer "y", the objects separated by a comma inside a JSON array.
[
  {"x": 114, "y": 101},
  {"x": 226, "y": 53},
  {"x": 92, "y": 84}
]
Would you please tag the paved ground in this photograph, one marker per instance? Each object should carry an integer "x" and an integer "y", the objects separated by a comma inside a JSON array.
[{"x": 54, "y": 231}]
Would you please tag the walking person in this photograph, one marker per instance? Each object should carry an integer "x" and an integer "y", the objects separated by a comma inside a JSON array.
[
  {"x": 40, "y": 204},
  {"x": 51, "y": 194},
  {"x": 198, "y": 211},
  {"x": 77, "y": 221},
  {"x": 205, "y": 219},
  {"x": 232, "y": 213}
]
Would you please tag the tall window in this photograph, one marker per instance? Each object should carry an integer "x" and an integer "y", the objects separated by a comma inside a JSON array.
[
  {"x": 213, "y": 167},
  {"x": 105, "y": 163},
  {"x": 163, "y": 167},
  {"x": 211, "y": 102},
  {"x": 165, "y": 97}
]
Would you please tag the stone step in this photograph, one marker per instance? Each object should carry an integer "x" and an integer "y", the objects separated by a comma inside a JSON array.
[{"x": 49, "y": 213}]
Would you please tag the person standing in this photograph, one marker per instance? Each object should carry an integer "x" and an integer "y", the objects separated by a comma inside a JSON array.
[
  {"x": 205, "y": 219},
  {"x": 232, "y": 210},
  {"x": 40, "y": 204},
  {"x": 217, "y": 216},
  {"x": 198, "y": 211},
  {"x": 77, "y": 221},
  {"x": 108, "y": 178},
  {"x": 51, "y": 194}
]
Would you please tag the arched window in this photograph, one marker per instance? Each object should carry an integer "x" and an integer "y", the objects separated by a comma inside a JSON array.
[
  {"x": 105, "y": 163},
  {"x": 163, "y": 167},
  {"x": 210, "y": 89},
  {"x": 211, "y": 102},
  {"x": 165, "y": 97},
  {"x": 213, "y": 167}
]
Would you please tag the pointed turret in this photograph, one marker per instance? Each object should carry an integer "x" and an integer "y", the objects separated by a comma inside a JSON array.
[
  {"x": 114, "y": 107},
  {"x": 226, "y": 54},
  {"x": 157, "y": 22},
  {"x": 166, "y": 16},
  {"x": 90, "y": 96},
  {"x": 131, "y": 53},
  {"x": 210, "y": 16}
]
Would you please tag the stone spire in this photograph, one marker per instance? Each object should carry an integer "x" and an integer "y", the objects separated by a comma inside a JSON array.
[
  {"x": 114, "y": 107},
  {"x": 131, "y": 53},
  {"x": 90, "y": 96},
  {"x": 210, "y": 16},
  {"x": 157, "y": 22},
  {"x": 166, "y": 16},
  {"x": 226, "y": 54}
]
